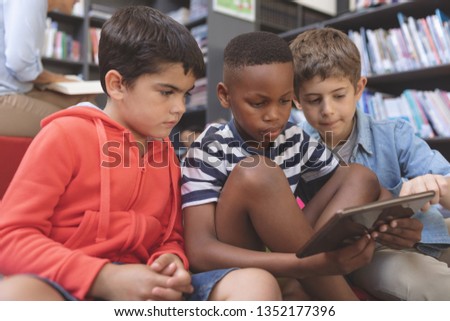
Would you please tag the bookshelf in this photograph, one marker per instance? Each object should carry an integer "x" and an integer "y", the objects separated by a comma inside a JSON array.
[
  {"x": 394, "y": 83},
  {"x": 92, "y": 16},
  {"x": 78, "y": 27}
]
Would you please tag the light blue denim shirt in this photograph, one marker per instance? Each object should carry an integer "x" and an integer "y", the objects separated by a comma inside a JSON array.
[
  {"x": 392, "y": 150},
  {"x": 22, "y": 33}
]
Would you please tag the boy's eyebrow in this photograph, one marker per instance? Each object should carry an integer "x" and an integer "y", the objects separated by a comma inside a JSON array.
[
  {"x": 173, "y": 87},
  {"x": 264, "y": 95},
  {"x": 318, "y": 94}
]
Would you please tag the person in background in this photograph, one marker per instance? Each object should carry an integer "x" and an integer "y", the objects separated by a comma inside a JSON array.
[
  {"x": 240, "y": 179},
  {"x": 328, "y": 85},
  {"x": 94, "y": 211},
  {"x": 22, "y": 105}
]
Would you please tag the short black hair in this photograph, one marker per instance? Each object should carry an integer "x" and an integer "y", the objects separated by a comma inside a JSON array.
[
  {"x": 137, "y": 40},
  {"x": 256, "y": 48}
]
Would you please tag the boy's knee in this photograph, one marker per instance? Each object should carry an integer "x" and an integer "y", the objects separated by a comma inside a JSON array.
[
  {"x": 260, "y": 284},
  {"x": 252, "y": 284},
  {"x": 364, "y": 175},
  {"x": 26, "y": 288},
  {"x": 257, "y": 170}
]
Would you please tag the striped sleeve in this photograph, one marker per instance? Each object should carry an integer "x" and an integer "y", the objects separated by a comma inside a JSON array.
[{"x": 204, "y": 170}]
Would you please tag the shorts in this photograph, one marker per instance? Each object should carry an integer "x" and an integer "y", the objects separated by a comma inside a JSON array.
[
  {"x": 204, "y": 282},
  {"x": 64, "y": 293}
]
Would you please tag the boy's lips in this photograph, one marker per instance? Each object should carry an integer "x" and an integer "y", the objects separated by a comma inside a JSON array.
[
  {"x": 328, "y": 124},
  {"x": 272, "y": 132},
  {"x": 170, "y": 123}
]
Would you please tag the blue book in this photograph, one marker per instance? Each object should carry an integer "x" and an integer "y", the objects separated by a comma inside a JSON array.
[{"x": 444, "y": 22}]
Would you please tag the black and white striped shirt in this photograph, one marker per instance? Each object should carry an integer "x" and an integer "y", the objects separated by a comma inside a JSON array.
[{"x": 214, "y": 154}]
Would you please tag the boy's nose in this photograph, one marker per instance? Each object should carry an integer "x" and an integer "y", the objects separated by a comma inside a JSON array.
[
  {"x": 179, "y": 107},
  {"x": 327, "y": 108},
  {"x": 271, "y": 114}
]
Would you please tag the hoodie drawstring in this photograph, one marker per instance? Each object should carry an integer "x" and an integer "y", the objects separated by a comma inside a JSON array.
[{"x": 105, "y": 188}]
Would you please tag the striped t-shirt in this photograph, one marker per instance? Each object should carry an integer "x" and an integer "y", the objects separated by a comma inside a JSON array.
[{"x": 211, "y": 158}]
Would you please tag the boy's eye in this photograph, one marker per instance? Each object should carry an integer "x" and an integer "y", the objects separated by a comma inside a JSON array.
[
  {"x": 314, "y": 101},
  {"x": 258, "y": 104},
  {"x": 286, "y": 101},
  {"x": 166, "y": 92}
]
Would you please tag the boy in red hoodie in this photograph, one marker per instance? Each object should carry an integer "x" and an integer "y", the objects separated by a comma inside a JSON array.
[{"x": 94, "y": 209}]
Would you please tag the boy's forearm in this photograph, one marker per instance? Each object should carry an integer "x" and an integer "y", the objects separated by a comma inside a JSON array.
[{"x": 224, "y": 255}]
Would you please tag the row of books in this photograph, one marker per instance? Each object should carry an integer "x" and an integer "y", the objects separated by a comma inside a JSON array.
[
  {"x": 200, "y": 33},
  {"x": 362, "y": 4},
  {"x": 427, "y": 111},
  {"x": 416, "y": 43},
  {"x": 62, "y": 46},
  {"x": 59, "y": 44}
]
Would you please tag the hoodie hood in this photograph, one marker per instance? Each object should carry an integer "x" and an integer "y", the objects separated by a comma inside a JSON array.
[{"x": 86, "y": 111}]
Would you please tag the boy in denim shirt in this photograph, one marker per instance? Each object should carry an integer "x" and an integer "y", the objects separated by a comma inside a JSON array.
[{"x": 328, "y": 85}]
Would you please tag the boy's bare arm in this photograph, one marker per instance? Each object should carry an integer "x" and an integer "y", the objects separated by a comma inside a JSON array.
[{"x": 206, "y": 252}]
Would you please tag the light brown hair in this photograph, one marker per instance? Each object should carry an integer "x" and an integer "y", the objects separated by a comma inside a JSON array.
[{"x": 326, "y": 53}]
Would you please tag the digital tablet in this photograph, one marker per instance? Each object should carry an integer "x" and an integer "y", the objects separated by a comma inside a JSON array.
[{"x": 353, "y": 222}]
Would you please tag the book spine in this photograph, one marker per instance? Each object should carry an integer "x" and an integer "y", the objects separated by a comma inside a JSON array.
[
  {"x": 408, "y": 40},
  {"x": 418, "y": 42}
]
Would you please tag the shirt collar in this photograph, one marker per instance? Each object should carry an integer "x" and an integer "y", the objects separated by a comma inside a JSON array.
[{"x": 364, "y": 138}]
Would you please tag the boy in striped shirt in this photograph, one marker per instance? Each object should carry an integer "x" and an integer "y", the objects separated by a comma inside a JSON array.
[{"x": 241, "y": 179}]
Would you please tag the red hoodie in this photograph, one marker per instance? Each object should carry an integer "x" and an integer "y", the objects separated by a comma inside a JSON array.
[{"x": 64, "y": 216}]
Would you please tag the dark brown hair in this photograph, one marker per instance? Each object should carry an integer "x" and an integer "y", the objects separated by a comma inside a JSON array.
[{"x": 138, "y": 40}]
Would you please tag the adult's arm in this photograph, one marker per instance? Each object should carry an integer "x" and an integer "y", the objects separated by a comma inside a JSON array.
[{"x": 24, "y": 37}]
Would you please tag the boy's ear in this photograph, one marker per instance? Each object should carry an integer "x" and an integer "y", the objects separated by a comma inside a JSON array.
[
  {"x": 114, "y": 84},
  {"x": 222, "y": 95},
  {"x": 297, "y": 104},
  {"x": 360, "y": 85}
]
